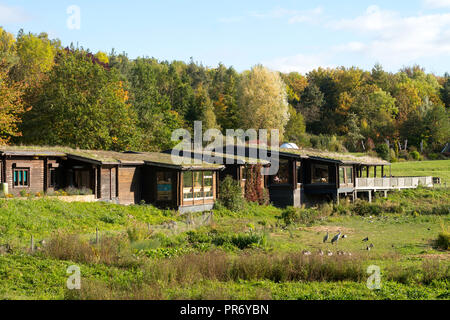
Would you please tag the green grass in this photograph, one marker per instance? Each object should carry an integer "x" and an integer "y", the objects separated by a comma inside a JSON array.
[
  {"x": 436, "y": 168},
  {"x": 258, "y": 256}
]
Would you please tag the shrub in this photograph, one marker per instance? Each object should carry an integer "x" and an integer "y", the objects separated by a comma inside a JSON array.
[
  {"x": 73, "y": 248},
  {"x": 364, "y": 208},
  {"x": 383, "y": 151},
  {"x": 290, "y": 215},
  {"x": 415, "y": 155},
  {"x": 231, "y": 194},
  {"x": 443, "y": 240},
  {"x": 23, "y": 193}
]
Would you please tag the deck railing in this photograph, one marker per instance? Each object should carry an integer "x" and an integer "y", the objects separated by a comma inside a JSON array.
[{"x": 393, "y": 183}]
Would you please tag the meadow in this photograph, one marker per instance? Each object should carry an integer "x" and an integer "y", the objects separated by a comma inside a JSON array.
[
  {"x": 435, "y": 168},
  {"x": 260, "y": 252}
]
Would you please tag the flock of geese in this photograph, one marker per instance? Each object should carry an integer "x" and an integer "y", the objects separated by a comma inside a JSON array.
[{"x": 335, "y": 240}]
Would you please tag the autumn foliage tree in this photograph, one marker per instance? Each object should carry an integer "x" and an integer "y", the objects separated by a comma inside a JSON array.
[
  {"x": 11, "y": 105},
  {"x": 80, "y": 104}
]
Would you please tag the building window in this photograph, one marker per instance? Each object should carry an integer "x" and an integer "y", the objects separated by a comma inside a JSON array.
[
  {"x": 197, "y": 185},
  {"x": 52, "y": 175},
  {"x": 349, "y": 175},
  {"x": 282, "y": 177},
  {"x": 164, "y": 186},
  {"x": 21, "y": 177},
  {"x": 319, "y": 174},
  {"x": 188, "y": 192},
  {"x": 208, "y": 184},
  {"x": 342, "y": 176}
]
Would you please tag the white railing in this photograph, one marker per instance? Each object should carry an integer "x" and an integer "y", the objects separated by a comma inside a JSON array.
[{"x": 393, "y": 183}]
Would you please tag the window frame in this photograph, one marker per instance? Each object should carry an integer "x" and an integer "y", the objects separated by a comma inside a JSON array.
[
  {"x": 22, "y": 170},
  {"x": 192, "y": 188},
  {"x": 323, "y": 167}
]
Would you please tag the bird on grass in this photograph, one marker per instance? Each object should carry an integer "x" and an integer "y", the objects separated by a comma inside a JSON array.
[
  {"x": 365, "y": 239},
  {"x": 320, "y": 252},
  {"x": 306, "y": 252},
  {"x": 368, "y": 248},
  {"x": 344, "y": 236},
  {"x": 336, "y": 238},
  {"x": 325, "y": 239}
]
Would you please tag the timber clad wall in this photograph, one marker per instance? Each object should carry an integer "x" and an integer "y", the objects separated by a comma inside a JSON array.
[
  {"x": 129, "y": 184},
  {"x": 36, "y": 176},
  {"x": 108, "y": 182}
]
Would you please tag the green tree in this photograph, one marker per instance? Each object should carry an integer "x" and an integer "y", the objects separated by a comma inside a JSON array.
[
  {"x": 80, "y": 104},
  {"x": 36, "y": 55},
  {"x": 262, "y": 100},
  {"x": 11, "y": 105},
  {"x": 295, "y": 127}
]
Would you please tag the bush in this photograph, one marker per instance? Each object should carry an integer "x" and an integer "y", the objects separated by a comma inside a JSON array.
[
  {"x": 443, "y": 240},
  {"x": 231, "y": 196},
  {"x": 364, "y": 208},
  {"x": 292, "y": 215},
  {"x": 383, "y": 151},
  {"x": 415, "y": 155}
]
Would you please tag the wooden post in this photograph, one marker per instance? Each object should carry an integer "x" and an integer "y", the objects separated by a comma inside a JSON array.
[
  {"x": 370, "y": 195},
  {"x": 32, "y": 244},
  {"x": 96, "y": 235},
  {"x": 374, "y": 171},
  {"x": 382, "y": 171},
  {"x": 367, "y": 171}
]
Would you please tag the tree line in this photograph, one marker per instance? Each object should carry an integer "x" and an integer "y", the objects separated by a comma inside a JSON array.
[{"x": 56, "y": 95}]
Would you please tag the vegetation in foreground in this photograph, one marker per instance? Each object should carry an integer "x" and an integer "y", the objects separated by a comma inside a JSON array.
[{"x": 258, "y": 252}]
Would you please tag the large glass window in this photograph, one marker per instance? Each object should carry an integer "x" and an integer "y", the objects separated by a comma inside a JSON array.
[
  {"x": 188, "y": 191},
  {"x": 349, "y": 175},
  {"x": 282, "y": 177},
  {"x": 208, "y": 184},
  {"x": 21, "y": 177},
  {"x": 342, "y": 175},
  {"x": 164, "y": 186},
  {"x": 197, "y": 185},
  {"x": 319, "y": 174}
]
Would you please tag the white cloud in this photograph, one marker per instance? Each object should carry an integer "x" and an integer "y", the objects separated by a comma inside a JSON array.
[
  {"x": 292, "y": 16},
  {"x": 437, "y": 3},
  {"x": 302, "y": 63},
  {"x": 12, "y": 14},
  {"x": 394, "y": 39}
]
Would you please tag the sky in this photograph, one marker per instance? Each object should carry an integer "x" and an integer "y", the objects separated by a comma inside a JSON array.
[{"x": 284, "y": 35}]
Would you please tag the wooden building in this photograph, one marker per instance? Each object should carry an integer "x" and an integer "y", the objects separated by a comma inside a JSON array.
[{"x": 124, "y": 178}]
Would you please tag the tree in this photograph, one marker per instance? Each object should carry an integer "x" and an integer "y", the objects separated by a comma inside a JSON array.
[
  {"x": 156, "y": 118},
  {"x": 311, "y": 102},
  {"x": 11, "y": 105},
  {"x": 36, "y": 56},
  {"x": 80, "y": 104},
  {"x": 445, "y": 92},
  {"x": 7, "y": 49},
  {"x": 262, "y": 100},
  {"x": 295, "y": 127},
  {"x": 102, "y": 57}
]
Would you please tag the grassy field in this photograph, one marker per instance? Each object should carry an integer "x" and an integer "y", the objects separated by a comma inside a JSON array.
[
  {"x": 436, "y": 168},
  {"x": 146, "y": 253}
]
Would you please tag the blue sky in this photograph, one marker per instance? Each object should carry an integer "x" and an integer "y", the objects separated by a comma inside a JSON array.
[{"x": 283, "y": 35}]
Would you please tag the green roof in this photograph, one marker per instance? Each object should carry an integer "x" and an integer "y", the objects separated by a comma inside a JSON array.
[
  {"x": 358, "y": 158},
  {"x": 109, "y": 157}
]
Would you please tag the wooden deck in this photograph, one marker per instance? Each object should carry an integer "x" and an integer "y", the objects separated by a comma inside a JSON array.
[{"x": 392, "y": 183}]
